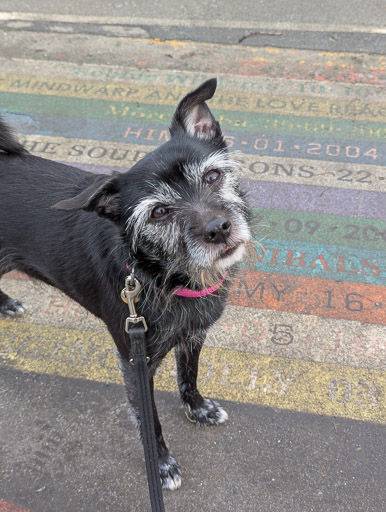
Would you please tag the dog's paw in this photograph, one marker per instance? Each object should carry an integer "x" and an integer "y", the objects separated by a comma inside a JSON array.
[
  {"x": 209, "y": 413},
  {"x": 170, "y": 472},
  {"x": 12, "y": 307}
]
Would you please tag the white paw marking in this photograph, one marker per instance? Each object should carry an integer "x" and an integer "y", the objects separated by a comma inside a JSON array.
[
  {"x": 170, "y": 473},
  {"x": 13, "y": 308},
  {"x": 172, "y": 483},
  {"x": 21, "y": 309},
  {"x": 222, "y": 415},
  {"x": 209, "y": 414}
]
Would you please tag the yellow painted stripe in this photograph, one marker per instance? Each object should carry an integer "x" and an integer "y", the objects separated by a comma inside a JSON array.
[
  {"x": 304, "y": 386},
  {"x": 170, "y": 95}
]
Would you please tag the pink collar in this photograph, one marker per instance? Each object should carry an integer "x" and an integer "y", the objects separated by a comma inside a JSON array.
[{"x": 187, "y": 292}]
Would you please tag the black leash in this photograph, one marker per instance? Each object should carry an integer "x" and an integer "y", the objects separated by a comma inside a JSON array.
[{"x": 139, "y": 361}]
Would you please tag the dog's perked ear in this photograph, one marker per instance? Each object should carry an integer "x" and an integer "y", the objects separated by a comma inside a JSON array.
[
  {"x": 102, "y": 197},
  {"x": 193, "y": 115}
]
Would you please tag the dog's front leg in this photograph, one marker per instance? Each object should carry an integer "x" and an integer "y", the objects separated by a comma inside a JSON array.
[
  {"x": 170, "y": 470},
  {"x": 199, "y": 409}
]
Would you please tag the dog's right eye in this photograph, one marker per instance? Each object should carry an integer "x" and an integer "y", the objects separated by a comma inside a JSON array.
[
  {"x": 160, "y": 212},
  {"x": 212, "y": 177}
]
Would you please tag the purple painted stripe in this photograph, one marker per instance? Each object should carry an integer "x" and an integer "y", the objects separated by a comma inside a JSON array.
[
  {"x": 97, "y": 169},
  {"x": 310, "y": 198},
  {"x": 301, "y": 198}
]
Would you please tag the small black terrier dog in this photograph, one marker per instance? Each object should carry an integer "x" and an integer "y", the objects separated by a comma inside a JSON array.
[{"x": 177, "y": 217}]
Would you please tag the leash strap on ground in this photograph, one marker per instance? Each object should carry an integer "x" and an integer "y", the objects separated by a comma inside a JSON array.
[{"x": 138, "y": 352}]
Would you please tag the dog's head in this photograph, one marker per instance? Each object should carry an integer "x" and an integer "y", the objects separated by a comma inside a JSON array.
[{"x": 180, "y": 207}]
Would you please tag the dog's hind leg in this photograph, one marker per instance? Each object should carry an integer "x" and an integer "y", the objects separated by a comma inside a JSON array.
[
  {"x": 199, "y": 409},
  {"x": 170, "y": 470},
  {"x": 9, "y": 306}
]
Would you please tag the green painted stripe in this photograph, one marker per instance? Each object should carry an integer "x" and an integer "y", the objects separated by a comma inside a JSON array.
[
  {"x": 319, "y": 229},
  {"x": 161, "y": 114}
]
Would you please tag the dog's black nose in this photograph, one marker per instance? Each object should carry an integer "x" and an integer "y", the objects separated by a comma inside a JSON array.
[{"x": 217, "y": 231}]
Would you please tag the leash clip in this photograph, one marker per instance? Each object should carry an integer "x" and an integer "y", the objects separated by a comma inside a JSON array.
[{"x": 129, "y": 294}]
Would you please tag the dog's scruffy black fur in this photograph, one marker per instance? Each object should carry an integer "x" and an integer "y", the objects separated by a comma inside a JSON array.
[{"x": 177, "y": 218}]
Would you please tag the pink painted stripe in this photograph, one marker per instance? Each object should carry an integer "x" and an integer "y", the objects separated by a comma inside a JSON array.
[{"x": 5, "y": 506}]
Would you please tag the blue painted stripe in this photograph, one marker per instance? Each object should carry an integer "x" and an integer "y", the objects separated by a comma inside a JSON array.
[
  {"x": 146, "y": 133},
  {"x": 315, "y": 260}
]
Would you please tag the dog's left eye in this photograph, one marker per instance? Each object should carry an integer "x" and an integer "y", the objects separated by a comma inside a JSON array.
[
  {"x": 160, "y": 212},
  {"x": 212, "y": 177}
]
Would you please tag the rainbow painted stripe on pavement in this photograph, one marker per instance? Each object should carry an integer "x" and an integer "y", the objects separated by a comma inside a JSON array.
[{"x": 314, "y": 155}]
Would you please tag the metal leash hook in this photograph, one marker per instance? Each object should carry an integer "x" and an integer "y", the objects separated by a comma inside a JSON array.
[{"x": 129, "y": 294}]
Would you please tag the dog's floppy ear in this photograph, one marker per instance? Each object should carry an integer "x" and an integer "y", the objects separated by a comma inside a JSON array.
[
  {"x": 194, "y": 117},
  {"x": 102, "y": 197}
]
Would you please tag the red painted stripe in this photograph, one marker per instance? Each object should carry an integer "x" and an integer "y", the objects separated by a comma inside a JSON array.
[
  {"x": 15, "y": 275},
  {"x": 5, "y": 506},
  {"x": 310, "y": 296}
]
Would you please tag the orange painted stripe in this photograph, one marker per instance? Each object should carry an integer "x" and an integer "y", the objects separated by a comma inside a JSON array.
[
  {"x": 10, "y": 507},
  {"x": 310, "y": 296},
  {"x": 304, "y": 295}
]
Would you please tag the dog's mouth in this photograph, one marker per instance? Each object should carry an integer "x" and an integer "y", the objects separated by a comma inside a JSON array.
[{"x": 229, "y": 251}]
